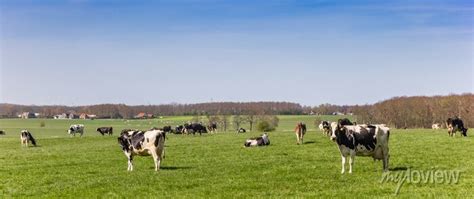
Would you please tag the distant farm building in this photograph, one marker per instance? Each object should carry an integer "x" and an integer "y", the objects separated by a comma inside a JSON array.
[
  {"x": 61, "y": 116},
  {"x": 144, "y": 116},
  {"x": 87, "y": 116},
  {"x": 67, "y": 116},
  {"x": 27, "y": 115},
  {"x": 73, "y": 116}
]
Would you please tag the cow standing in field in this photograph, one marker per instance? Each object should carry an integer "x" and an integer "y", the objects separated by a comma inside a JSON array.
[
  {"x": 105, "y": 130},
  {"x": 143, "y": 143},
  {"x": 212, "y": 127},
  {"x": 258, "y": 141},
  {"x": 356, "y": 140},
  {"x": 436, "y": 126},
  {"x": 455, "y": 124},
  {"x": 26, "y": 137},
  {"x": 194, "y": 128},
  {"x": 76, "y": 128},
  {"x": 325, "y": 126},
  {"x": 300, "y": 130}
]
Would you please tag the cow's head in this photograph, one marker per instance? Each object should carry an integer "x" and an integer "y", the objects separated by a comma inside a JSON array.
[
  {"x": 265, "y": 138},
  {"x": 24, "y": 133},
  {"x": 337, "y": 129},
  {"x": 464, "y": 132},
  {"x": 125, "y": 141}
]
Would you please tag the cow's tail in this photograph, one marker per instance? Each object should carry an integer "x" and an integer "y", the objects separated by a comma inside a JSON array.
[{"x": 32, "y": 139}]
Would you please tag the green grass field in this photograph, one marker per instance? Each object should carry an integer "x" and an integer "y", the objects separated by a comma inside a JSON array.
[{"x": 217, "y": 166}]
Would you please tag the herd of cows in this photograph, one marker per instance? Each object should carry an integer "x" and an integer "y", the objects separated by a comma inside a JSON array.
[{"x": 352, "y": 139}]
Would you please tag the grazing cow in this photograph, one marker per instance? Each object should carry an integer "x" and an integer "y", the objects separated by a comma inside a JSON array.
[
  {"x": 194, "y": 128},
  {"x": 241, "y": 130},
  {"x": 356, "y": 140},
  {"x": 105, "y": 130},
  {"x": 167, "y": 129},
  {"x": 143, "y": 143},
  {"x": 455, "y": 124},
  {"x": 26, "y": 137},
  {"x": 258, "y": 141},
  {"x": 212, "y": 127},
  {"x": 300, "y": 130},
  {"x": 179, "y": 129},
  {"x": 76, "y": 128},
  {"x": 436, "y": 126},
  {"x": 2, "y": 132}
]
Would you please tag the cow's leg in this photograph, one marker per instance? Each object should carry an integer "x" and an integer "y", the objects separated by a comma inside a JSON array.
[
  {"x": 351, "y": 161},
  {"x": 385, "y": 161},
  {"x": 129, "y": 160},
  {"x": 343, "y": 163},
  {"x": 156, "y": 158},
  {"x": 130, "y": 163},
  {"x": 302, "y": 136},
  {"x": 297, "y": 138}
]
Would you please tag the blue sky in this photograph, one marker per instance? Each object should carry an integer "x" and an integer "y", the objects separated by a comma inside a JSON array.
[{"x": 188, "y": 51}]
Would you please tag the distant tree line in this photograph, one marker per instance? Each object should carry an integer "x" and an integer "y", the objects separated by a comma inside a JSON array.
[
  {"x": 399, "y": 112},
  {"x": 417, "y": 112},
  {"x": 125, "y": 111}
]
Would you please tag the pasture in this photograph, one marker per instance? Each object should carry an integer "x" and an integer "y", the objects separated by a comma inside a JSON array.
[{"x": 217, "y": 166}]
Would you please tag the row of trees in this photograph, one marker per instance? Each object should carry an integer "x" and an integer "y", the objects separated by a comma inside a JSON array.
[
  {"x": 399, "y": 112},
  {"x": 125, "y": 111},
  {"x": 418, "y": 112},
  {"x": 263, "y": 122}
]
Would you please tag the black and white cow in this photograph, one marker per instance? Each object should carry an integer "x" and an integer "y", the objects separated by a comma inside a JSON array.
[
  {"x": 179, "y": 129},
  {"x": 76, "y": 128},
  {"x": 143, "y": 143},
  {"x": 26, "y": 137},
  {"x": 356, "y": 140},
  {"x": 194, "y": 128},
  {"x": 212, "y": 127},
  {"x": 325, "y": 126},
  {"x": 455, "y": 124},
  {"x": 241, "y": 130},
  {"x": 436, "y": 126},
  {"x": 105, "y": 130},
  {"x": 167, "y": 129},
  {"x": 258, "y": 141}
]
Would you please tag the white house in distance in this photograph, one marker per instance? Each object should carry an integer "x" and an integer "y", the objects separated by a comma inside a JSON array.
[{"x": 28, "y": 115}]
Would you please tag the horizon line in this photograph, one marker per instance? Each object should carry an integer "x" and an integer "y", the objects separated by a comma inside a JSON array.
[{"x": 263, "y": 101}]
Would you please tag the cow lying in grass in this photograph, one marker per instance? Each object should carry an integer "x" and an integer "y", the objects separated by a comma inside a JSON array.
[
  {"x": 26, "y": 137},
  {"x": 257, "y": 141},
  {"x": 143, "y": 143}
]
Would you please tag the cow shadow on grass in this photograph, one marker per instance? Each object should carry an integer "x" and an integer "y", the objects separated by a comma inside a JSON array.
[
  {"x": 171, "y": 168},
  {"x": 309, "y": 142},
  {"x": 398, "y": 169}
]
